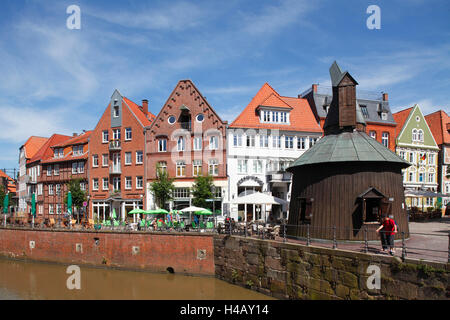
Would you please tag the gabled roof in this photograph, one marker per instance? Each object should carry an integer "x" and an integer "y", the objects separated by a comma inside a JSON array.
[
  {"x": 46, "y": 152},
  {"x": 33, "y": 145},
  {"x": 337, "y": 75},
  {"x": 144, "y": 119},
  {"x": 80, "y": 139},
  {"x": 438, "y": 122},
  {"x": 301, "y": 116}
]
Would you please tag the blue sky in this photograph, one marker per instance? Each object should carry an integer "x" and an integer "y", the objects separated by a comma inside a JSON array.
[{"x": 60, "y": 80}]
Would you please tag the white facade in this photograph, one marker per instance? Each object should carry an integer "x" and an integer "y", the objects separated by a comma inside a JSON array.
[{"x": 257, "y": 160}]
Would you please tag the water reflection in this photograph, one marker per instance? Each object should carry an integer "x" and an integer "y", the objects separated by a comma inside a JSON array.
[{"x": 29, "y": 280}]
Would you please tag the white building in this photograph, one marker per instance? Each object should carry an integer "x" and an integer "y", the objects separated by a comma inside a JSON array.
[{"x": 270, "y": 133}]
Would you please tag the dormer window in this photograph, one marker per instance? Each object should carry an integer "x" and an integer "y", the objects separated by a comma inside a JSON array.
[
  {"x": 272, "y": 116},
  {"x": 364, "y": 111},
  {"x": 116, "y": 111},
  {"x": 383, "y": 116}
]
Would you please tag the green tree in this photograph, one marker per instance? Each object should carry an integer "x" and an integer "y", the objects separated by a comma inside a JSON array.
[
  {"x": 202, "y": 190},
  {"x": 2, "y": 197},
  {"x": 78, "y": 196},
  {"x": 162, "y": 189}
]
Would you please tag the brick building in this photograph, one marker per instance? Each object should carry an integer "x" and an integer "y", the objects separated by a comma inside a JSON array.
[
  {"x": 439, "y": 123},
  {"x": 377, "y": 114},
  {"x": 68, "y": 161},
  {"x": 187, "y": 139},
  {"x": 116, "y": 158},
  {"x": 35, "y": 174}
]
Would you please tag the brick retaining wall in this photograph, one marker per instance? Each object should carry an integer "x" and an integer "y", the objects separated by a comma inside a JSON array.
[
  {"x": 185, "y": 253},
  {"x": 293, "y": 271}
]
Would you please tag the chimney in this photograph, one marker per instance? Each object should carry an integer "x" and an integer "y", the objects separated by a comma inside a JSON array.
[
  {"x": 74, "y": 134},
  {"x": 385, "y": 96},
  {"x": 314, "y": 88},
  {"x": 145, "y": 106}
]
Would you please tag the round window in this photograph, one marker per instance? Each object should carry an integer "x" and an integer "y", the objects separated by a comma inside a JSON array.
[
  {"x": 172, "y": 119},
  {"x": 200, "y": 117},
  {"x": 417, "y": 118}
]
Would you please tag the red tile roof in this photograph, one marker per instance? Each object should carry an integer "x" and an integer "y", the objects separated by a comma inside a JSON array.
[
  {"x": 11, "y": 183},
  {"x": 400, "y": 117},
  {"x": 301, "y": 116},
  {"x": 80, "y": 139},
  {"x": 437, "y": 122},
  {"x": 144, "y": 119},
  {"x": 46, "y": 152},
  {"x": 33, "y": 145}
]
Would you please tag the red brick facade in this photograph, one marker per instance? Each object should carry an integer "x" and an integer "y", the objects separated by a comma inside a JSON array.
[
  {"x": 379, "y": 129},
  {"x": 193, "y": 118},
  {"x": 116, "y": 164}
]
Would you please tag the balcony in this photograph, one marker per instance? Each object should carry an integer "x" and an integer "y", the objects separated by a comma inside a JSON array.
[
  {"x": 115, "y": 169},
  {"x": 279, "y": 177},
  {"x": 115, "y": 145},
  {"x": 186, "y": 126}
]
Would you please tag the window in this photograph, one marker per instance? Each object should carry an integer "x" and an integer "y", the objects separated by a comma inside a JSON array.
[
  {"x": 49, "y": 170},
  {"x": 383, "y": 116},
  {"x": 139, "y": 182},
  {"x": 128, "y": 134},
  {"x": 105, "y": 136},
  {"x": 276, "y": 142},
  {"x": 421, "y": 177},
  {"x": 58, "y": 189},
  {"x": 127, "y": 158},
  {"x": 95, "y": 160},
  {"x": 41, "y": 209},
  {"x": 116, "y": 183},
  {"x": 128, "y": 183},
  {"x": 412, "y": 158},
  {"x": 116, "y": 111},
  {"x": 301, "y": 143},
  {"x": 242, "y": 166},
  {"x": 373, "y": 134},
  {"x": 105, "y": 183},
  {"x": 181, "y": 193},
  {"x": 411, "y": 177},
  {"x": 312, "y": 142},
  {"x": 257, "y": 166},
  {"x": 181, "y": 168},
  {"x": 420, "y": 135},
  {"x": 197, "y": 167},
  {"x": 50, "y": 189},
  {"x": 200, "y": 117},
  {"x": 431, "y": 159},
  {"x": 264, "y": 141},
  {"x": 56, "y": 169},
  {"x": 77, "y": 150},
  {"x": 58, "y": 208},
  {"x": 250, "y": 140},
  {"x": 162, "y": 145},
  {"x": 213, "y": 167},
  {"x": 51, "y": 209},
  {"x": 139, "y": 157},
  {"x": 80, "y": 167},
  {"x": 83, "y": 186},
  {"x": 431, "y": 177},
  {"x": 237, "y": 140},
  {"x": 364, "y": 111},
  {"x": 74, "y": 167},
  {"x": 95, "y": 184},
  {"x": 105, "y": 158},
  {"x": 385, "y": 139},
  {"x": 198, "y": 143},
  {"x": 213, "y": 144},
  {"x": 162, "y": 165},
  {"x": 39, "y": 189},
  {"x": 116, "y": 134},
  {"x": 180, "y": 144},
  {"x": 171, "y": 120},
  {"x": 289, "y": 142}
]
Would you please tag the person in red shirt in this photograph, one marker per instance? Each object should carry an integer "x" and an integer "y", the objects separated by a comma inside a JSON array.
[{"x": 388, "y": 229}]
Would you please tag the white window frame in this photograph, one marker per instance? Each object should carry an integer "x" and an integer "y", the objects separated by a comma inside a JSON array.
[
  {"x": 105, "y": 136},
  {"x": 128, "y": 183},
  {"x": 213, "y": 167},
  {"x": 95, "y": 184},
  {"x": 128, "y": 134},
  {"x": 181, "y": 144},
  {"x": 95, "y": 160},
  {"x": 197, "y": 164},
  {"x": 129, "y": 157},
  {"x": 139, "y": 182},
  {"x": 139, "y": 154},
  {"x": 213, "y": 143},
  {"x": 182, "y": 166},
  {"x": 80, "y": 167},
  {"x": 105, "y": 156},
  {"x": 105, "y": 183},
  {"x": 49, "y": 170},
  {"x": 162, "y": 145},
  {"x": 50, "y": 189},
  {"x": 198, "y": 143}
]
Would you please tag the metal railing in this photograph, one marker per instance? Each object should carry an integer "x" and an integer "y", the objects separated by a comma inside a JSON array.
[{"x": 412, "y": 245}]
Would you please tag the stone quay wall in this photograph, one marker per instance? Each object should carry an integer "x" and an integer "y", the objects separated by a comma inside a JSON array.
[
  {"x": 293, "y": 271},
  {"x": 185, "y": 253}
]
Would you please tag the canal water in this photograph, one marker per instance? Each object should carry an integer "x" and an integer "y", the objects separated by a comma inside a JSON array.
[{"x": 31, "y": 280}]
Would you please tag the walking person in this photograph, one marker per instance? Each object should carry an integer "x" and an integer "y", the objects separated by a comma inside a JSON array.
[{"x": 388, "y": 229}]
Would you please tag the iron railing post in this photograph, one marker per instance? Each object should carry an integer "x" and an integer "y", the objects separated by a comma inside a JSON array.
[
  {"x": 284, "y": 231},
  {"x": 334, "y": 238},
  {"x": 308, "y": 239},
  {"x": 403, "y": 246},
  {"x": 263, "y": 231},
  {"x": 366, "y": 244}
]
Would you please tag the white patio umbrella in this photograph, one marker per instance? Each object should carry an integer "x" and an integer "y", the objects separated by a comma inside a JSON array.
[
  {"x": 190, "y": 210},
  {"x": 260, "y": 199}
]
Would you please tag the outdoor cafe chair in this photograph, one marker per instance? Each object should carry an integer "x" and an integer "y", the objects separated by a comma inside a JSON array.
[
  {"x": 209, "y": 225},
  {"x": 159, "y": 224},
  {"x": 202, "y": 225}
]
